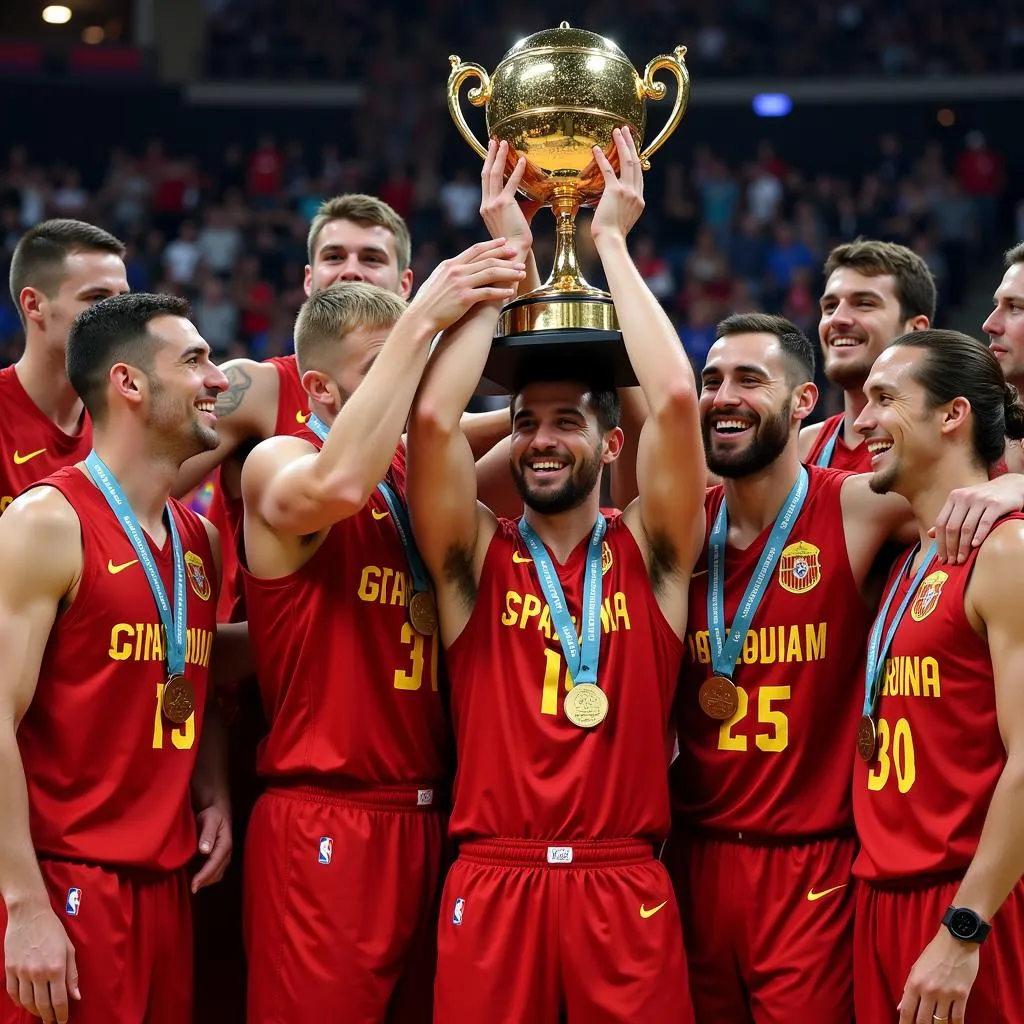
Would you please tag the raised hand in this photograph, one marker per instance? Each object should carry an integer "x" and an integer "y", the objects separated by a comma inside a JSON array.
[
  {"x": 622, "y": 202},
  {"x": 505, "y": 214}
]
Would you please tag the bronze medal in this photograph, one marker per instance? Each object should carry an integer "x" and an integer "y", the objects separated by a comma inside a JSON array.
[
  {"x": 718, "y": 698},
  {"x": 423, "y": 613},
  {"x": 867, "y": 738},
  {"x": 178, "y": 702},
  {"x": 586, "y": 705}
]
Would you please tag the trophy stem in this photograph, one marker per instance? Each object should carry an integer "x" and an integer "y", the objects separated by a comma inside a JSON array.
[{"x": 565, "y": 274}]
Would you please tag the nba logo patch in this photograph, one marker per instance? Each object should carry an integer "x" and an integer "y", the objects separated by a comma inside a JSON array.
[
  {"x": 460, "y": 906},
  {"x": 73, "y": 902},
  {"x": 326, "y": 850}
]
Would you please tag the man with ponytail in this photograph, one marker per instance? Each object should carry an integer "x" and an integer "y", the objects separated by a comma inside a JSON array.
[
  {"x": 1005, "y": 330},
  {"x": 940, "y": 778}
]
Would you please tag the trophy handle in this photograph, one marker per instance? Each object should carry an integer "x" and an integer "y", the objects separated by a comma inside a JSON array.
[
  {"x": 478, "y": 97},
  {"x": 652, "y": 90}
]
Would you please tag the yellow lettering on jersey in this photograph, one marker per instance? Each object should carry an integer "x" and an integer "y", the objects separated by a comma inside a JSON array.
[
  {"x": 145, "y": 641},
  {"x": 5, "y": 501},
  {"x": 522, "y": 609},
  {"x": 385, "y": 585},
  {"x": 769, "y": 645},
  {"x": 912, "y": 677}
]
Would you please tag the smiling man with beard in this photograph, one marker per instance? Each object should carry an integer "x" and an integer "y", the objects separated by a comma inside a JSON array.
[
  {"x": 780, "y": 603},
  {"x": 874, "y": 292}
]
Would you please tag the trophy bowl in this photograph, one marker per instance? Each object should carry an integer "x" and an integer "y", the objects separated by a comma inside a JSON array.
[{"x": 553, "y": 97}]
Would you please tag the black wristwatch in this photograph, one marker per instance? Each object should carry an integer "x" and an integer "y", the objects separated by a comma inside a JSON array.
[{"x": 965, "y": 925}]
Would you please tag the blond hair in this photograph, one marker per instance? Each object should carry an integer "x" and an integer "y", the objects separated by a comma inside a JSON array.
[
  {"x": 366, "y": 211},
  {"x": 330, "y": 314}
]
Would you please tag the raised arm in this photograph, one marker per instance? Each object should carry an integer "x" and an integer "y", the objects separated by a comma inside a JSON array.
[
  {"x": 452, "y": 528},
  {"x": 311, "y": 492},
  {"x": 41, "y": 552},
  {"x": 945, "y": 971},
  {"x": 668, "y": 517},
  {"x": 248, "y": 409}
]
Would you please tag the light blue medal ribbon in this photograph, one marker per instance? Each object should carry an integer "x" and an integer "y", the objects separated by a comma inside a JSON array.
[
  {"x": 879, "y": 648},
  {"x": 422, "y": 609},
  {"x": 581, "y": 655},
  {"x": 824, "y": 459},
  {"x": 174, "y": 621},
  {"x": 725, "y": 652}
]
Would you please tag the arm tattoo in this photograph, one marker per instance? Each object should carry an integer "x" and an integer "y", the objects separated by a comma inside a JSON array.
[{"x": 239, "y": 383}]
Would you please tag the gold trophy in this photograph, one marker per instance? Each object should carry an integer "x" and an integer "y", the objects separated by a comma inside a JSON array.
[{"x": 553, "y": 97}]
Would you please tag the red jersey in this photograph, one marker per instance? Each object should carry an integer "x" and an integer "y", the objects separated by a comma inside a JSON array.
[
  {"x": 349, "y": 688},
  {"x": 524, "y": 770},
  {"x": 782, "y": 765},
  {"x": 32, "y": 446},
  {"x": 921, "y": 804},
  {"x": 226, "y": 511},
  {"x": 853, "y": 460},
  {"x": 108, "y": 776}
]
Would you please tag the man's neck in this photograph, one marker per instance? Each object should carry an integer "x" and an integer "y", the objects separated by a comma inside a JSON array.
[
  {"x": 563, "y": 531},
  {"x": 145, "y": 476},
  {"x": 43, "y": 375},
  {"x": 853, "y": 405},
  {"x": 754, "y": 501},
  {"x": 955, "y": 469}
]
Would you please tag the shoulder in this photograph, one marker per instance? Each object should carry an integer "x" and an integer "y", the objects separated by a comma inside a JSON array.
[
  {"x": 810, "y": 434},
  {"x": 1002, "y": 549},
  {"x": 42, "y": 510},
  {"x": 41, "y": 532},
  {"x": 993, "y": 591},
  {"x": 269, "y": 457}
]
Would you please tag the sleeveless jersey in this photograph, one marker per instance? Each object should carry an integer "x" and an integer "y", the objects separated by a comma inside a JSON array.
[
  {"x": 108, "y": 776},
  {"x": 853, "y": 460},
  {"x": 782, "y": 765},
  {"x": 32, "y": 446},
  {"x": 921, "y": 804},
  {"x": 349, "y": 688},
  {"x": 524, "y": 770},
  {"x": 226, "y": 510}
]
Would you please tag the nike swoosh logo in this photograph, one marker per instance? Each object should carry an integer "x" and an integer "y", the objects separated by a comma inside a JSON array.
[
  {"x": 20, "y": 459},
  {"x": 301, "y": 417},
  {"x": 380, "y": 515},
  {"x": 812, "y": 895},
  {"x": 115, "y": 569},
  {"x": 645, "y": 913},
  {"x": 694, "y": 575},
  {"x": 519, "y": 559}
]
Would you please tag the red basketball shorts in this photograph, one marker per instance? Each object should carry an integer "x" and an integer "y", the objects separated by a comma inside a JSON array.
[
  {"x": 133, "y": 944},
  {"x": 892, "y": 928},
  {"x": 341, "y": 905},
  {"x": 769, "y": 929},
  {"x": 588, "y": 931}
]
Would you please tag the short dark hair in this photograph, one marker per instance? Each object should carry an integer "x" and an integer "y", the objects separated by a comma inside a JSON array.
[
  {"x": 38, "y": 260},
  {"x": 1014, "y": 255},
  {"x": 913, "y": 281},
  {"x": 542, "y": 368},
  {"x": 959, "y": 366},
  {"x": 115, "y": 330},
  {"x": 794, "y": 343}
]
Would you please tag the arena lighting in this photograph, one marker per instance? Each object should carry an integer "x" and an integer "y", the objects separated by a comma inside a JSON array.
[
  {"x": 772, "y": 104},
  {"x": 56, "y": 14}
]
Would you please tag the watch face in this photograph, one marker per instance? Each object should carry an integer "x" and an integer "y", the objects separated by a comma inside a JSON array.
[{"x": 963, "y": 924}]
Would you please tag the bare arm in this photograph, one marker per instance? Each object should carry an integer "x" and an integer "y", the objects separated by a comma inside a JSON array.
[
  {"x": 41, "y": 552},
  {"x": 623, "y": 470},
  {"x": 942, "y": 977},
  {"x": 247, "y": 410},
  {"x": 313, "y": 491},
  {"x": 484, "y": 430},
  {"x": 452, "y": 528},
  {"x": 806, "y": 439},
  {"x": 668, "y": 517}
]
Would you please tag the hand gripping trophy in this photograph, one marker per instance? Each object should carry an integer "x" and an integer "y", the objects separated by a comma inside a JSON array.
[{"x": 553, "y": 97}]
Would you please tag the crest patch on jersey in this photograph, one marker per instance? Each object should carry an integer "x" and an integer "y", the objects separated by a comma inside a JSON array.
[
  {"x": 926, "y": 599},
  {"x": 197, "y": 575},
  {"x": 606, "y": 557},
  {"x": 799, "y": 567}
]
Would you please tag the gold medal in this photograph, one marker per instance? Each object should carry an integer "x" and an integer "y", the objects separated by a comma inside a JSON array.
[
  {"x": 867, "y": 738},
  {"x": 178, "y": 702},
  {"x": 718, "y": 698},
  {"x": 586, "y": 705},
  {"x": 423, "y": 613}
]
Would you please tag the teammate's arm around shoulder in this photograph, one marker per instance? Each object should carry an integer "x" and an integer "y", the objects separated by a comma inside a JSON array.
[
  {"x": 248, "y": 409},
  {"x": 41, "y": 555},
  {"x": 668, "y": 517},
  {"x": 946, "y": 970}
]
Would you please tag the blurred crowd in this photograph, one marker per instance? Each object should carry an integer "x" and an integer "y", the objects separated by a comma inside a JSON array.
[
  {"x": 716, "y": 237},
  {"x": 358, "y": 41}
]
